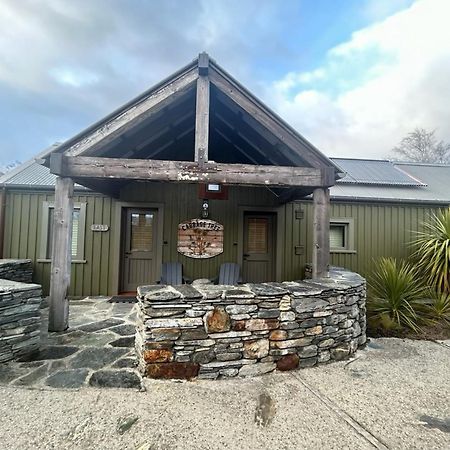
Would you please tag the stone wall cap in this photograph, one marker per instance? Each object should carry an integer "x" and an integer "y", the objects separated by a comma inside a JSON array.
[{"x": 8, "y": 285}]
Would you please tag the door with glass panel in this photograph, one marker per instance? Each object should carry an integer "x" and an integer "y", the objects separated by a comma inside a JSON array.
[
  {"x": 258, "y": 263},
  {"x": 139, "y": 249}
]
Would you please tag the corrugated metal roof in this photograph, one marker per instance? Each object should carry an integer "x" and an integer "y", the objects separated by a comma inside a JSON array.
[
  {"x": 435, "y": 187},
  {"x": 32, "y": 174},
  {"x": 370, "y": 171}
]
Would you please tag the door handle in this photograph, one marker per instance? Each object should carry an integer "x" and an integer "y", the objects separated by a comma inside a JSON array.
[{"x": 245, "y": 255}]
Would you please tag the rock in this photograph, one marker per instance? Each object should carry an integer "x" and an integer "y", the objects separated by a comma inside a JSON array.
[
  {"x": 302, "y": 305},
  {"x": 165, "y": 334},
  {"x": 188, "y": 322},
  {"x": 125, "y": 363},
  {"x": 289, "y": 325},
  {"x": 288, "y": 362},
  {"x": 300, "y": 342},
  {"x": 100, "y": 325},
  {"x": 313, "y": 331},
  {"x": 308, "y": 351},
  {"x": 230, "y": 334},
  {"x": 127, "y": 341},
  {"x": 341, "y": 352},
  {"x": 162, "y": 296},
  {"x": 309, "y": 323},
  {"x": 285, "y": 303},
  {"x": 326, "y": 343},
  {"x": 261, "y": 324},
  {"x": 125, "y": 423},
  {"x": 217, "y": 321},
  {"x": 287, "y": 316},
  {"x": 256, "y": 369},
  {"x": 267, "y": 290},
  {"x": 356, "y": 329},
  {"x": 189, "y": 335},
  {"x": 67, "y": 378},
  {"x": 115, "y": 379},
  {"x": 162, "y": 355},
  {"x": 188, "y": 291},
  {"x": 229, "y": 372},
  {"x": 256, "y": 349},
  {"x": 96, "y": 357},
  {"x": 53, "y": 352},
  {"x": 268, "y": 313},
  {"x": 241, "y": 309},
  {"x": 307, "y": 362},
  {"x": 203, "y": 356},
  {"x": 177, "y": 370},
  {"x": 278, "y": 335},
  {"x": 322, "y": 313},
  {"x": 324, "y": 356},
  {"x": 228, "y": 356}
]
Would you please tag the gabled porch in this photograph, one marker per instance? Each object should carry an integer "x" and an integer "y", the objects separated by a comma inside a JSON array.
[{"x": 199, "y": 127}]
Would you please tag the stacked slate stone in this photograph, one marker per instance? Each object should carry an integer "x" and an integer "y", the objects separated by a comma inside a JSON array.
[
  {"x": 213, "y": 331},
  {"x": 16, "y": 270},
  {"x": 19, "y": 319}
]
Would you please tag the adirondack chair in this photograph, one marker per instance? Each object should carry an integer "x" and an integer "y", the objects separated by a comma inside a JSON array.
[
  {"x": 229, "y": 273},
  {"x": 171, "y": 273}
]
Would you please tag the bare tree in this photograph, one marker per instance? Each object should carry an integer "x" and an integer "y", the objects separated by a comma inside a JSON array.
[{"x": 421, "y": 145}]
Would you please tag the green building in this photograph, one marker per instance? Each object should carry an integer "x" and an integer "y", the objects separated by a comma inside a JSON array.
[{"x": 197, "y": 151}]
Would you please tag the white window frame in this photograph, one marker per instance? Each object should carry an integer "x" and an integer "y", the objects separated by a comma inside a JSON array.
[
  {"x": 349, "y": 234},
  {"x": 79, "y": 257}
]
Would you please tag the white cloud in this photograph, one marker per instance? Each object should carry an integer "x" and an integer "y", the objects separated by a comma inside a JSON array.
[{"x": 387, "y": 79}]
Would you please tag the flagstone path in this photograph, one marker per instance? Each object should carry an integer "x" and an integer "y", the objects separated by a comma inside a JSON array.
[{"x": 97, "y": 350}]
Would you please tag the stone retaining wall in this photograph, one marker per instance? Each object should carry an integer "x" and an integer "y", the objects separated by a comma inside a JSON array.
[
  {"x": 16, "y": 270},
  {"x": 19, "y": 310},
  {"x": 213, "y": 331}
]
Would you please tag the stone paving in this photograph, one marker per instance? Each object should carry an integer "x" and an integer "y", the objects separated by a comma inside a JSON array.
[{"x": 97, "y": 350}]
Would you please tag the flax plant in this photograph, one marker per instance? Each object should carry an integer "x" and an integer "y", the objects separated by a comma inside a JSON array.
[
  {"x": 395, "y": 289},
  {"x": 433, "y": 251}
]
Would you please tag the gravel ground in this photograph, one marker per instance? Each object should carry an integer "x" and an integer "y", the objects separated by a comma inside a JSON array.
[{"x": 394, "y": 394}]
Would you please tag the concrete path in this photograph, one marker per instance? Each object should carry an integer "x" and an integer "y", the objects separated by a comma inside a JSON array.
[{"x": 395, "y": 394}]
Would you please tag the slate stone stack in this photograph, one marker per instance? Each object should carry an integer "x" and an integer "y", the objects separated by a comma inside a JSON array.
[
  {"x": 16, "y": 270},
  {"x": 210, "y": 331},
  {"x": 19, "y": 319}
]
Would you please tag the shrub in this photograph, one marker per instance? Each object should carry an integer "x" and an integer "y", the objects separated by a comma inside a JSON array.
[
  {"x": 394, "y": 291},
  {"x": 437, "y": 309},
  {"x": 433, "y": 251}
]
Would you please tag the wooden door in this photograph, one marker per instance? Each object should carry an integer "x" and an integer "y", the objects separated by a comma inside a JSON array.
[
  {"x": 139, "y": 248},
  {"x": 259, "y": 248}
]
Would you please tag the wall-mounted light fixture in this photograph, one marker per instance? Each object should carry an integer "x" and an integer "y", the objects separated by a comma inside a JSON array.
[{"x": 205, "y": 209}]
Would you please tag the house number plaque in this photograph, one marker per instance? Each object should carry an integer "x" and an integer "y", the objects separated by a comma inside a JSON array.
[
  {"x": 99, "y": 227},
  {"x": 200, "y": 238}
]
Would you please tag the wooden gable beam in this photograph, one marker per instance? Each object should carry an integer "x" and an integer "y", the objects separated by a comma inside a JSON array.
[
  {"x": 135, "y": 114},
  {"x": 193, "y": 172},
  {"x": 202, "y": 111},
  {"x": 264, "y": 118}
]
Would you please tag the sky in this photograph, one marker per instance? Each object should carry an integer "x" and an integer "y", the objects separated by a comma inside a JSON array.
[{"x": 352, "y": 76}]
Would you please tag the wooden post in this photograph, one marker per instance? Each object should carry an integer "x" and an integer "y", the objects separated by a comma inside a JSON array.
[
  {"x": 61, "y": 255},
  {"x": 321, "y": 233},
  {"x": 202, "y": 111}
]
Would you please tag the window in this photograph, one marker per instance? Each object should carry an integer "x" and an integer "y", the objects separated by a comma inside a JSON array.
[
  {"x": 341, "y": 235},
  {"x": 78, "y": 225}
]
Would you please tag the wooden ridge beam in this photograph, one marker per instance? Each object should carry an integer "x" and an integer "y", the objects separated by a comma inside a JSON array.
[
  {"x": 193, "y": 172},
  {"x": 202, "y": 120}
]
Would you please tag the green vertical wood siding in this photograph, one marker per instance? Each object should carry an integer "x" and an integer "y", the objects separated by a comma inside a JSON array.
[
  {"x": 23, "y": 224},
  {"x": 379, "y": 230}
]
